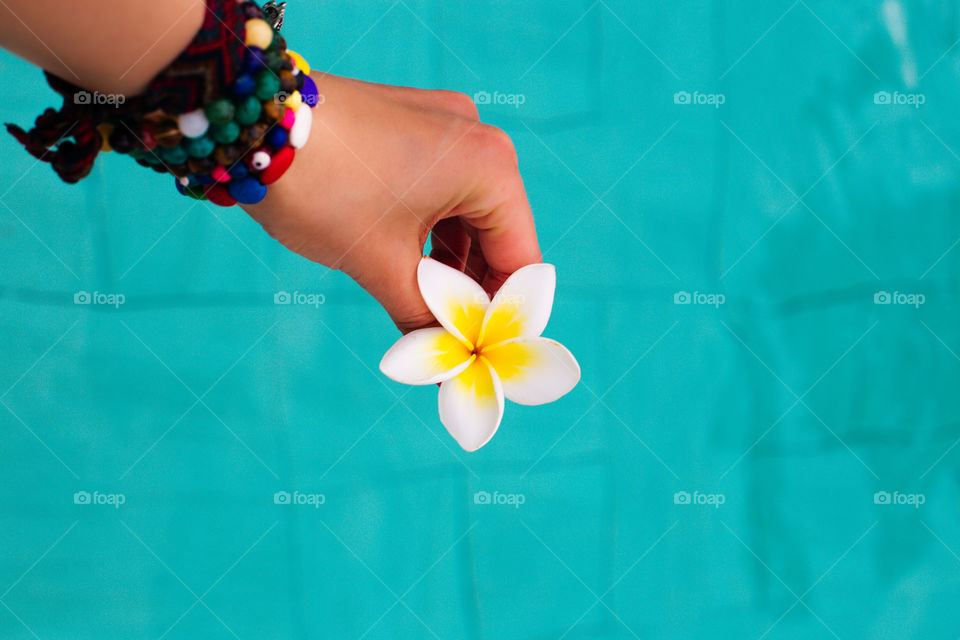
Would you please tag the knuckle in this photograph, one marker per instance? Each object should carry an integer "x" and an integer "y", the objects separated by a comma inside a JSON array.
[
  {"x": 459, "y": 103},
  {"x": 495, "y": 142}
]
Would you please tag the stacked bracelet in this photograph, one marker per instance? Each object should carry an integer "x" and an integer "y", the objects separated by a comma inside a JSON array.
[{"x": 225, "y": 140}]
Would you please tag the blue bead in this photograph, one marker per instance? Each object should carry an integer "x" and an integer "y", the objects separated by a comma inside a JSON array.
[
  {"x": 244, "y": 85},
  {"x": 309, "y": 92},
  {"x": 201, "y": 178},
  {"x": 255, "y": 60},
  {"x": 277, "y": 137},
  {"x": 179, "y": 186},
  {"x": 247, "y": 190},
  {"x": 239, "y": 171}
]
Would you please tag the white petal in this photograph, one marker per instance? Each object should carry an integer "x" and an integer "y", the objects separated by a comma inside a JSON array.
[
  {"x": 534, "y": 370},
  {"x": 471, "y": 405},
  {"x": 522, "y": 306},
  {"x": 456, "y": 300},
  {"x": 425, "y": 356}
]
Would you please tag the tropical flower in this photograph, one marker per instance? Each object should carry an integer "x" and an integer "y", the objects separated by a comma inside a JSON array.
[{"x": 485, "y": 350}]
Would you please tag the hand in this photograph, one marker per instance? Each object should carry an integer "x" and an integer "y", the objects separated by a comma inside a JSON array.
[{"x": 386, "y": 166}]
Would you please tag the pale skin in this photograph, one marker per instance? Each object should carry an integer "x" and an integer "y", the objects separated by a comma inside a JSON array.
[{"x": 385, "y": 166}]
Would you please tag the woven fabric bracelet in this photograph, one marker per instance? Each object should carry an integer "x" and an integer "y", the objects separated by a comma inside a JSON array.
[{"x": 225, "y": 118}]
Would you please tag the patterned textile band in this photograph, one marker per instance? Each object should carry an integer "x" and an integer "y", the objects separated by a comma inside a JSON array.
[{"x": 225, "y": 117}]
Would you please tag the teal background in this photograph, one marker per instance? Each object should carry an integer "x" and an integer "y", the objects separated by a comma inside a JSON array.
[{"x": 797, "y": 399}]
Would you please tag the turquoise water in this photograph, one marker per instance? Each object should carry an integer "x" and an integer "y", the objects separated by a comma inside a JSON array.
[{"x": 781, "y": 399}]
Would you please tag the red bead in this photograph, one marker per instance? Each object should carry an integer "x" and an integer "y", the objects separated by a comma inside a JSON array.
[
  {"x": 280, "y": 162},
  {"x": 218, "y": 194},
  {"x": 220, "y": 174}
]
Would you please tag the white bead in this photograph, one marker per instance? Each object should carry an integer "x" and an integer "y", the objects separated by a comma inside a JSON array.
[
  {"x": 300, "y": 131},
  {"x": 184, "y": 181},
  {"x": 260, "y": 160},
  {"x": 193, "y": 124}
]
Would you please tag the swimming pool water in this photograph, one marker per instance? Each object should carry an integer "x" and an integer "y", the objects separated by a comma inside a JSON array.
[{"x": 753, "y": 212}]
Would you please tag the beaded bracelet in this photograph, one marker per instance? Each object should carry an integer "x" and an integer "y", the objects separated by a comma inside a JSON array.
[{"x": 225, "y": 118}]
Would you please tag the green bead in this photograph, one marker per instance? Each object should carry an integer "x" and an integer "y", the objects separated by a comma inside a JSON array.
[
  {"x": 219, "y": 111},
  {"x": 225, "y": 133},
  {"x": 247, "y": 111},
  {"x": 173, "y": 155},
  {"x": 274, "y": 60},
  {"x": 267, "y": 85},
  {"x": 199, "y": 147},
  {"x": 195, "y": 192}
]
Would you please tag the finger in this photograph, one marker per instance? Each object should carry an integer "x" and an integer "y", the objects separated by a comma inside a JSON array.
[
  {"x": 450, "y": 243},
  {"x": 476, "y": 266},
  {"x": 507, "y": 235}
]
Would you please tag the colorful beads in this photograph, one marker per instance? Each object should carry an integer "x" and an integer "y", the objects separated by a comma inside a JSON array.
[
  {"x": 105, "y": 129},
  {"x": 274, "y": 110},
  {"x": 247, "y": 111},
  {"x": 288, "y": 82},
  {"x": 225, "y": 133},
  {"x": 173, "y": 155},
  {"x": 255, "y": 60},
  {"x": 220, "y": 174},
  {"x": 259, "y": 160},
  {"x": 299, "y": 61},
  {"x": 227, "y": 154},
  {"x": 280, "y": 162},
  {"x": 311, "y": 96},
  {"x": 253, "y": 135},
  {"x": 300, "y": 131},
  {"x": 247, "y": 191},
  {"x": 244, "y": 85},
  {"x": 220, "y": 111},
  {"x": 166, "y": 132},
  {"x": 259, "y": 33},
  {"x": 199, "y": 147},
  {"x": 228, "y": 151},
  {"x": 277, "y": 137},
  {"x": 193, "y": 124},
  {"x": 220, "y": 195},
  {"x": 267, "y": 85},
  {"x": 294, "y": 101}
]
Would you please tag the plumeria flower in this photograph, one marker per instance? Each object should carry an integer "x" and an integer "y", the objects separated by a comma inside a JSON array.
[{"x": 485, "y": 350}]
